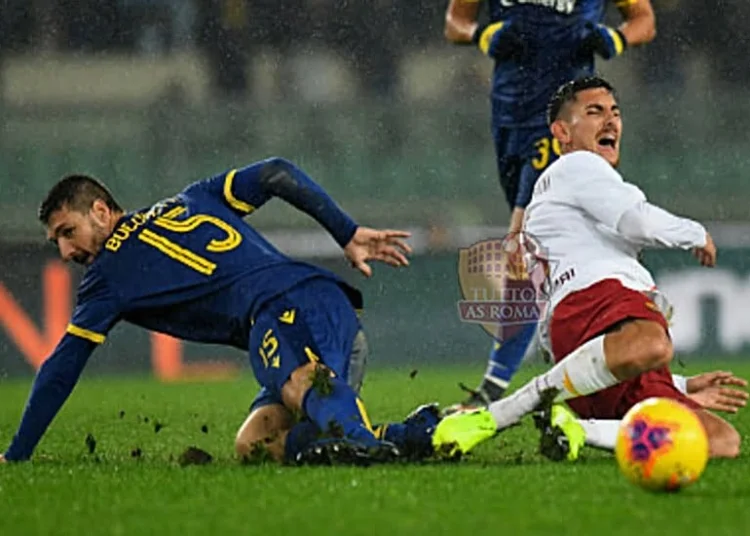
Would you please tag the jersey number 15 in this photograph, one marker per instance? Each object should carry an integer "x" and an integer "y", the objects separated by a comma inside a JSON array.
[{"x": 183, "y": 255}]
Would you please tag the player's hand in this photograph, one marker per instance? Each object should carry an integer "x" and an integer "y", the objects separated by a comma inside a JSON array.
[
  {"x": 707, "y": 254},
  {"x": 712, "y": 379},
  {"x": 385, "y": 246},
  {"x": 602, "y": 40},
  {"x": 501, "y": 41},
  {"x": 714, "y": 390},
  {"x": 2, "y": 459}
]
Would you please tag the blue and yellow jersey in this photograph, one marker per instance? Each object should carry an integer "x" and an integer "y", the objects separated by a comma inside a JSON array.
[
  {"x": 553, "y": 30},
  {"x": 188, "y": 266}
]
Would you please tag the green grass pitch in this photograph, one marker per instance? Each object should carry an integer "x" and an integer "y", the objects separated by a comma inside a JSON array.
[{"x": 132, "y": 483}]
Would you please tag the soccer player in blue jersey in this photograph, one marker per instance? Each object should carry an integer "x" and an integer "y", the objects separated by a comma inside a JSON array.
[
  {"x": 537, "y": 45},
  {"x": 191, "y": 267}
]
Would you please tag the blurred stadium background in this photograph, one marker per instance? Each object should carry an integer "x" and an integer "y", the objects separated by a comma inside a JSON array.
[{"x": 368, "y": 98}]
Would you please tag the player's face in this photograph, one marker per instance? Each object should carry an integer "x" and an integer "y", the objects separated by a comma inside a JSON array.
[
  {"x": 594, "y": 124},
  {"x": 80, "y": 236}
]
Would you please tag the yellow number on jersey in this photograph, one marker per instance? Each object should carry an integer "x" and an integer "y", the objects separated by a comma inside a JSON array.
[
  {"x": 543, "y": 147},
  {"x": 183, "y": 255}
]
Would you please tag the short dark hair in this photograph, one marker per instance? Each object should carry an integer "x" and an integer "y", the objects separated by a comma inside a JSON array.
[
  {"x": 77, "y": 192},
  {"x": 567, "y": 93}
]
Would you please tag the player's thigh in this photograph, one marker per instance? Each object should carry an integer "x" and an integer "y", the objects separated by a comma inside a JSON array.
[
  {"x": 636, "y": 331},
  {"x": 723, "y": 439},
  {"x": 265, "y": 427},
  {"x": 312, "y": 324}
]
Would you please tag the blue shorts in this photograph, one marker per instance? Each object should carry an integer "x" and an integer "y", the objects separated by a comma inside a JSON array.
[
  {"x": 522, "y": 155},
  {"x": 313, "y": 321}
]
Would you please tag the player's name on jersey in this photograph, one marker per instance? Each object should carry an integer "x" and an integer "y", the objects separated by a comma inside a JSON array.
[{"x": 561, "y": 6}]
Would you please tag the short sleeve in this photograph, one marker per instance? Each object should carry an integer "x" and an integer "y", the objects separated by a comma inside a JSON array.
[{"x": 97, "y": 309}]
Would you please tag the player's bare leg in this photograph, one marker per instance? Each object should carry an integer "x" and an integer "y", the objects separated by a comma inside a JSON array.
[
  {"x": 632, "y": 347},
  {"x": 264, "y": 433},
  {"x": 628, "y": 349}
]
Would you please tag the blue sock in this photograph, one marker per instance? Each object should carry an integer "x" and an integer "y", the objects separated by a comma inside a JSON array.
[
  {"x": 395, "y": 432},
  {"x": 302, "y": 435},
  {"x": 337, "y": 411},
  {"x": 505, "y": 358}
]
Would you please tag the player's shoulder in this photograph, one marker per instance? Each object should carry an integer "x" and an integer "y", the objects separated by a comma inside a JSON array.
[
  {"x": 581, "y": 159},
  {"x": 583, "y": 164},
  {"x": 96, "y": 280}
]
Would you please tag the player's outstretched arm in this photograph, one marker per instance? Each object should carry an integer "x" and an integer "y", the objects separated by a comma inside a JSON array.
[
  {"x": 53, "y": 384},
  {"x": 385, "y": 246},
  {"x": 649, "y": 225},
  {"x": 248, "y": 188},
  {"x": 599, "y": 190}
]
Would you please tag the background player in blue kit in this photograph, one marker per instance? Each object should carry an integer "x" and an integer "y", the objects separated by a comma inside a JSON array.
[
  {"x": 190, "y": 266},
  {"x": 537, "y": 46}
]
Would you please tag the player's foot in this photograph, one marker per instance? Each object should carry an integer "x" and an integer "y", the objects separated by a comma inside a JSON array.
[
  {"x": 343, "y": 451},
  {"x": 460, "y": 432},
  {"x": 420, "y": 425},
  {"x": 562, "y": 436}
]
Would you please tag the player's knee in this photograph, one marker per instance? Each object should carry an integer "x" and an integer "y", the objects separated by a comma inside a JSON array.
[
  {"x": 263, "y": 434},
  {"x": 658, "y": 351},
  {"x": 725, "y": 443},
  {"x": 242, "y": 446},
  {"x": 641, "y": 346},
  {"x": 259, "y": 449}
]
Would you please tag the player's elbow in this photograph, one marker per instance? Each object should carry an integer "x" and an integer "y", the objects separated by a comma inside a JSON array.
[
  {"x": 278, "y": 163},
  {"x": 275, "y": 176}
]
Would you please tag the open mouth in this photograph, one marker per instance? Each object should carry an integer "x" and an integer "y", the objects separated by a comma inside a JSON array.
[{"x": 608, "y": 140}]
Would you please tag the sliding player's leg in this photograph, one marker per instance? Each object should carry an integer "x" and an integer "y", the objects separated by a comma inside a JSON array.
[
  {"x": 301, "y": 347},
  {"x": 599, "y": 414},
  {"x": 607, "y": 333},
  {"x": 271, "y": 431}
]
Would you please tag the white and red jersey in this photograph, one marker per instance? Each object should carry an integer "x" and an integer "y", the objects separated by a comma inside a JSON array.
[{"x": 591, "y": 225}]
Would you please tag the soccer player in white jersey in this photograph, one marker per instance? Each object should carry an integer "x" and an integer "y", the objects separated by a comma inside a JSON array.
[{"x": 606, "y": 323}]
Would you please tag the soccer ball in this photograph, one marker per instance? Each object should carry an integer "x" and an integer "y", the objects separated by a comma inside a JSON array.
[{"x": 661, "y": 445}]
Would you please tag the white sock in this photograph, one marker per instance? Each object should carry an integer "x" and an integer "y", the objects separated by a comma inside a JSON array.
[
  {"x": 581, "y": 372},
  {"x": 601, "y": 433}
]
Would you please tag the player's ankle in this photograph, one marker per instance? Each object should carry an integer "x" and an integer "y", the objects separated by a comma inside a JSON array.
[{"x": 491, "y": 389}]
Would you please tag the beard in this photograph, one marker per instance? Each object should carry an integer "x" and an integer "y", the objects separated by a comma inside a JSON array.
[{"x": 98, "y": 237}]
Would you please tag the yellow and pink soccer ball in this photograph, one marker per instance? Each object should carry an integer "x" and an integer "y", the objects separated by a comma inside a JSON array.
[{"x": 661, "y": 445}]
